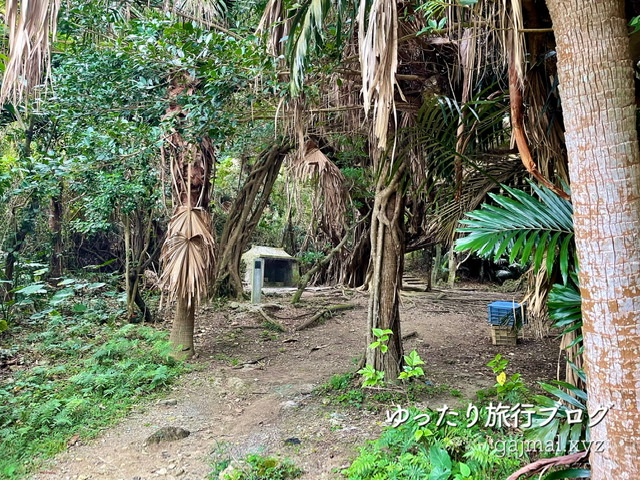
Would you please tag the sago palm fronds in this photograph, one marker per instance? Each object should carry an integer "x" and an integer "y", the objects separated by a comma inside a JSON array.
[
  {"x": 542, "y": 228},
  {"x": 188, "y": 254},
  {"x": 524, "y": 226}
]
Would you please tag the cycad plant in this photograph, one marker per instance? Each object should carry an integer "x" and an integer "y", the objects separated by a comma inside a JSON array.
[
  {"x": 525, "y": 228},
  {"x": 540, "y": 231},
  {"x": 537, "y": 230}
]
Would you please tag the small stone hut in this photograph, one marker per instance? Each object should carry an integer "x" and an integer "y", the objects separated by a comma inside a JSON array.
[{"x": 279, "y": 269}]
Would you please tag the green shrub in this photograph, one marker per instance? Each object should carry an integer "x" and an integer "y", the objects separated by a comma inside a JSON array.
[
  {"x": 412, "y": 452},
  {"x": 256, "y": 467}
]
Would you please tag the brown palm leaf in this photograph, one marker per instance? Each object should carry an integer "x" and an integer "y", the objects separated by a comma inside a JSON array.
[
  {"x": 32, "y": 26},
  {"x": 201, "y": 11},
  {"x": 378, "y": 42},
  {"x": 188, "y": 254},
  {"x": 274, "y": 22},
  {"x": 331, "y": 197}
]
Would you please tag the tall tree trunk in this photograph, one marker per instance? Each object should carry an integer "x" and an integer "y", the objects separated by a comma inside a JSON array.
[
  {"x": 597, "y": 93},
  {"x": 387, "y": 255},
  {"x": 354, "y": 267},
  {"x": 55, "y": 227},
  {"x": 128, "y": 278},
  {"x": 437, "y": 263},
  {"x": 453, "y": 267}
]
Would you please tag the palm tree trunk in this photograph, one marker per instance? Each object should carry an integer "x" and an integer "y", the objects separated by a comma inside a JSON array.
[
  {"x": 597, "y": 90},
  {"x": 181, "y": 337}
]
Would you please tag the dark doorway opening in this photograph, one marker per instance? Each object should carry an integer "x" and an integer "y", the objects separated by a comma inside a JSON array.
[{"x": 278, "y": 272}]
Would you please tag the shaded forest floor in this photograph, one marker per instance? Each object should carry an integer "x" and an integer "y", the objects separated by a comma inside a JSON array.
[{"x": 254, "y": 389}]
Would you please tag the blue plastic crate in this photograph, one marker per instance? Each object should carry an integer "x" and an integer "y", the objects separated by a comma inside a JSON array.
[{"x": 507, "y": 314}]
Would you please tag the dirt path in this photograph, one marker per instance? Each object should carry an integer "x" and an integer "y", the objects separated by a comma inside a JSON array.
[{"x": 233, "y": 407}]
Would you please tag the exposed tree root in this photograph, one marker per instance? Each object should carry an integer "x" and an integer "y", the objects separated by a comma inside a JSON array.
[
  {"x": 409, "y": 335},
  {"x": 327, "y": 311},
  {"x": 414, "y": 288},
  {"x": 271, "y": 323},
  {"x": 307, "y": 276}
]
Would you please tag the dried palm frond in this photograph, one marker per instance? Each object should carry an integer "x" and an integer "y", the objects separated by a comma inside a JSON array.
[
  {"x": 188, "y": 255},
  {"x": 206, "y": 11},
  {"x": 331, "y": 196},
  {"x": 513, "y": 23},
  {"x": 274, "y": 22},
  {"x": 32, "y": 26},
  {"x": 378, "y": 42}
]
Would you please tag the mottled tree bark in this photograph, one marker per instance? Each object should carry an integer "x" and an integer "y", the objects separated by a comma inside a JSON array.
[
  {"x": 181, "y": 337},
  {"x": 387, "y": 256},
  {"x": 597, "y": 93}
]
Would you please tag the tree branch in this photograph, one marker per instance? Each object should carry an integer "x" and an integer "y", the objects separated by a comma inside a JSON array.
[
  {"x": 517, "y": 124},
  {"x": 545, "y": 463}
]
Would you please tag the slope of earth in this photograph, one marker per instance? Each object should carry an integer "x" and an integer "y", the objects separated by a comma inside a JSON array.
[{"x": 255, "y": 389}]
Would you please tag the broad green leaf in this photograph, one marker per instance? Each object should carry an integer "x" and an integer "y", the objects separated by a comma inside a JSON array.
[
  {"x": 33, "y": 289},
  {"x": 551, "y": 252},
  {"x": 564, "y": 257},
  {"x": 569, "y": 473},
  {"x": 528, "y": 247},
  {"x": 562, "y": 395},
  {"x": 465, "y": 470},
  {"x": 517, "y": 246}
]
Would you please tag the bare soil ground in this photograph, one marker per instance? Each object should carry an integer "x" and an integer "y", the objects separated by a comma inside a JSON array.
[{"x": 255, "y": 390}]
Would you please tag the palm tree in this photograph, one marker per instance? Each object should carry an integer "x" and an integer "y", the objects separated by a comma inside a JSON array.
[
  {"x": 604, "y": 166},
  {"x": 188, "y": 251}
]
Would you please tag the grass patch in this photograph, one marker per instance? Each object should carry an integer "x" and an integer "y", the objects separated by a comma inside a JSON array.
[
  {"x": 255, "y": 467},
  {"x": 86, "y": 376},
  {"x": 345, "y": 389}
]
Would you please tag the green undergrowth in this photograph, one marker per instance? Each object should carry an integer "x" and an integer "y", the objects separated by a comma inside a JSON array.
[
  {"x": 78, "y": 377},
  {"x": 410, "y": 451},
  {"x": 345, "y": 389},
  {"x": 255, "y": 467}
]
